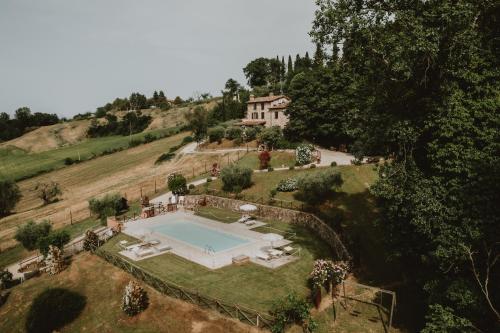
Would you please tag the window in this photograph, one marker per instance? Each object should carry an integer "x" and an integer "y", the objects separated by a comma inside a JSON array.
[
  {"x": 262, "y": 115},
  {"x": 262, "y": 106},
  {"x": 276, "y": 115},
  {"x": 255, "y": 106},
  {"x": 255, "y": 115}
]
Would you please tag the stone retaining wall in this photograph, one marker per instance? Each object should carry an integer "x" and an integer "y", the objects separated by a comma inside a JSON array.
[{"x": 307, "y": 220}]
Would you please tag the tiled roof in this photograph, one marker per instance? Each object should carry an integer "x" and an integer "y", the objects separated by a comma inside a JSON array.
[{"x": 266, "y": 99}]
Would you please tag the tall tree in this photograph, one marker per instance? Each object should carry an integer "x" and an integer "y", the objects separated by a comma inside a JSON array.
[
  {"x": 426, "y": 85},
  {"x": 319, "y": 57},
  {"x": 257, "y": 72}
]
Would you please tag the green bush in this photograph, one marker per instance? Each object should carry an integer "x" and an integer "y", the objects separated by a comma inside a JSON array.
[
  {"x": 30, "y": 234},
  {"x": 216, "y": 134},
  {"x": 269, "y": 169},
  {"x": 209, "y": 180},
  {"x": 177, "y": 184},
  {"x": 292, "y": 310},
  {"x": 9, "y": 196},
  {"x": 235, "y": 176},
  {"x": 165, "y": 157},
  {"x": 233, "y": 133},
  {"x": 135, "y": 143},
  {"x": 191, "y": 186},
  {"x": 333, "y": 164},
  {"x": 313, "y": 166},
  {"x": 57, "y": 238},
  {"x": 187, "y": 139},
  {"x": 316, "y": 188},
  {"x": 149, "y": 138},
  {"x": 250, "y": 133},
  {"x": 291, "y": 168},
  {"x": 68, "y": 161},
  {"x": 109, "y": 205},
  {"x": 53, "y": 309},
  {"x": 270, "y": 136}
]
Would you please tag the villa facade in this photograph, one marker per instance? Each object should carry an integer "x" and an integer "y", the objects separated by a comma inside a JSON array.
[{"x": 266, "y": 111}]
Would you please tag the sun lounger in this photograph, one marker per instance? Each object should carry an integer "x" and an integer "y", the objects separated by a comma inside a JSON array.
[
  {"x": 244, "y": 219},
  {"x": 275, "y": 253},
  {"x": 163, "y": 247},
  {"x": 263, "y": 256},
  {"x": 143, "y": 252},
  {"x": 250, "y": 223},
  {"x": 288, "y": 249},
  {"x": 154, "y": 242}
]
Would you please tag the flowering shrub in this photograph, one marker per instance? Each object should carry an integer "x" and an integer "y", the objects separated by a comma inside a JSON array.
[
  {"x": 325, "y": 271},
  {"x": 91, "y": 241},
  {"x": 264, "y": 158},
  {"x": 303, "y": 154},
  {"x": 135, "y": 299},
  {"x": 287, "y": 185}
]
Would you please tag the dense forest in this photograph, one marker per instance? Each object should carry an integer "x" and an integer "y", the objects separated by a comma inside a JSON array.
[{"x": 418, "y": 83}]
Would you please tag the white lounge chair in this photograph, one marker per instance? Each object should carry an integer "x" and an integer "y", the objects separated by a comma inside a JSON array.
[
  {"x": 263, "y": 256},
  {"x": 244, "y": 219},
  {"x": 288, "y": 249}
]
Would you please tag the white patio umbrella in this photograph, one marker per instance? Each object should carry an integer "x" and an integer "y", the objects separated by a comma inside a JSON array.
[
  {"x": 248, "y": 208},
  {"x": 272, "y": 237}
]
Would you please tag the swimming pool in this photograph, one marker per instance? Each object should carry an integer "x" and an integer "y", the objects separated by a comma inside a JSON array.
[{"x": 199, "y": 236}]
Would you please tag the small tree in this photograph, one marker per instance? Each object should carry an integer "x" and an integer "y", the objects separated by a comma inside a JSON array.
[
  {"x": 177, "y": 183},
  {"x": 314, "y": 189},
  {"x": 135, "y": 299},
  {"x": 57, "y": 238},
  {"x": 30, "y": 234},
  {"x": 48, "y": 192},
  {"x": 91, "y": 241},
  {"x": 235, "y": 177},
  {"x": 216, "y": 134},
  {"x": 264, "y": 159},
  {"x": 5, "y": 278},
  {"x": 9, "y": 196},
  {"x": 198, "y": 122},
  {"x": 109, "y": 205}
]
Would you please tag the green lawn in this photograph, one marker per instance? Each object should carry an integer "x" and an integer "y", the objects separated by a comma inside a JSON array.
[
  {"x": 17, "y": 164},
  {"x": 278, "y": 160},
  {"x": 102, "y": 284},
  {"x": 249, "y": 285},
  {"x": 17, "y": 253},
  {"x": 218, "y": 214}
]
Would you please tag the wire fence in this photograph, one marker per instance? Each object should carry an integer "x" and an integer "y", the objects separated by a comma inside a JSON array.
[{"x": 168, "y": 288}]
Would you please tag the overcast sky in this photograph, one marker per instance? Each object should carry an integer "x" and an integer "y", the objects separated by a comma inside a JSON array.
[{"x": 69, "y": 57}]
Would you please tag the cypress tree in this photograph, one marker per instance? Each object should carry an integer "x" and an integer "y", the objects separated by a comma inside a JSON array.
[
  {"x": 318, "y": 56},
  {"x": 298, "y": 64},
  {"x": 282, "y": 72},
  {"x": 289, "y": 70}
]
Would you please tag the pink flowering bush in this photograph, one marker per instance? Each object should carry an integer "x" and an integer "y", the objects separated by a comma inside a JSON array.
[{"x": 325, "y": 271}]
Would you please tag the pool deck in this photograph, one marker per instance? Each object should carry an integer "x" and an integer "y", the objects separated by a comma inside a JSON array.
[{"x": 142, "y": 229}]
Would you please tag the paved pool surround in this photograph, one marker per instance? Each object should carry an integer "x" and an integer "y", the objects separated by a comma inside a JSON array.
[{"x": 223, "y": 241}]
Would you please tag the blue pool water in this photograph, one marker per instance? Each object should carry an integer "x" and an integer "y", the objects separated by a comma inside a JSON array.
[{"x": 199, "y": 236}]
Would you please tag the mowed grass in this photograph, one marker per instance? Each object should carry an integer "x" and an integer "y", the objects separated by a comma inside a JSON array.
[
  {"x": 102, "y": 284},
  {"x": 279, "y": 159},
  {"x": 16, "y": 164},
  {"x": 221, "y": 215},
  {"x": 18, "y": 252},
  {"x": 249, "y": 285}
]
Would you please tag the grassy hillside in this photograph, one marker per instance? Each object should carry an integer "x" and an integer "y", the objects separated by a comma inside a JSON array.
[
  {"x": 18, "y": 164},
  {"x": 102, "y": 313},
  {"x": 46, "y": 148}
]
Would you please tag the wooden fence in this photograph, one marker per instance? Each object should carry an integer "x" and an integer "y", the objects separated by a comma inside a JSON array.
[{"x": 243, "y": 314}]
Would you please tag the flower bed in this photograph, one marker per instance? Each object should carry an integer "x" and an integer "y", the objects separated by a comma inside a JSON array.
[{"x": 287, "y": 185}]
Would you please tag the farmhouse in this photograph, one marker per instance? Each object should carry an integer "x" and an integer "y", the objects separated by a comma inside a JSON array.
[{"x": 266, "y": 111}]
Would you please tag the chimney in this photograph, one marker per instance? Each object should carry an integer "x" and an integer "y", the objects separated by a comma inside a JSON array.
[
  {"x": 271, "y": 94},
  {"x": 252, "y": 97}
]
